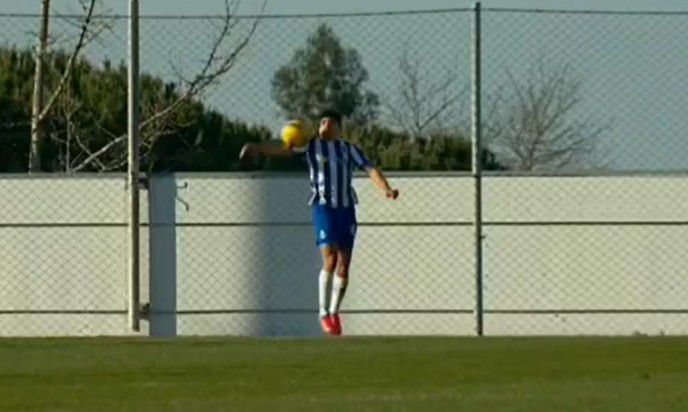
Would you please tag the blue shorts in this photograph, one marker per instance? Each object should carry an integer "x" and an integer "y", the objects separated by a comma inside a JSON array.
[{"x": 334, "y": 226}]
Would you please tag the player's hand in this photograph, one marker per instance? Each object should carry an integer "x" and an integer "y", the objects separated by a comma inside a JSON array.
[
  {"x": 392, "y": 194},
  {"x": 248, "y": 152}
]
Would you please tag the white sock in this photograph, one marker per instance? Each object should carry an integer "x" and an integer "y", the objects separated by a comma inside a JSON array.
[
  {"x": 323, "y": 291},
  {"x": 338, "y": 290}
]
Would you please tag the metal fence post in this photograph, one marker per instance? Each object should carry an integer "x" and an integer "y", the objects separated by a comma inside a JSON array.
[
  {"x": 477, "y": 168},
  {"x": 133, "y": 168}
]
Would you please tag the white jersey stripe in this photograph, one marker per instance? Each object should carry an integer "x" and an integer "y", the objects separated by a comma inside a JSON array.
[
  {"x": 320, "y": 159},
  {"x": 331, "y": 165},
  {"x": 357, "y": 158},
  {"x": 346, "y": 171},
  {"x": 332, "y": 161},
  {"x": 311, "y": 172}
]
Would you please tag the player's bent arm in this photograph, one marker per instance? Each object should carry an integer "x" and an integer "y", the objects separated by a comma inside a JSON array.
[
  {"x": 267, "y": 149},
  {"x": 380, "y": 181}
]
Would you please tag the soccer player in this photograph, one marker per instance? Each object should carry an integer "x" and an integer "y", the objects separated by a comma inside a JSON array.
[{"x": 331, "y": 161}]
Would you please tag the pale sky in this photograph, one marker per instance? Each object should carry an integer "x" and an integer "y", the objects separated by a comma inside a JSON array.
[
  {"x": 336, "y": 6},
  {"x": 633, "y": 68}
]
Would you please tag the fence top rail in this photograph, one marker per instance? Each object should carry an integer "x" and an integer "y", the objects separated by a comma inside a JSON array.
[
  {"x": 245, "y": 16},
  {"x": 683, "y": 174},
  {"x": 360, "y": 14},
  {"x": 58, "y": 175},
  {"x": 588, "y": 11},
  {"x": 591, "y": 173},
  {"x": 304, "y": 174}
]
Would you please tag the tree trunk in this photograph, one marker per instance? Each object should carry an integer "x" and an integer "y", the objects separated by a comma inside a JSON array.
[{"x": 37, "y": 107}]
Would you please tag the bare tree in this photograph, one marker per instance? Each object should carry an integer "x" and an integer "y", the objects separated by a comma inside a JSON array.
[
  {"x": 424, "y": 104},
  {"x": 37, "y": 107},
  {"x": 76, "y": 153},
  {"x": 39, "y": 110},
  {"x": 533, "y": 123},
  {"x": 71, "y": 145},
  {"x": 158, "y": 122}
]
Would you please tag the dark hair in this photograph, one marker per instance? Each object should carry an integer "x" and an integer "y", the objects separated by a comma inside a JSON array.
[{"x": 333, "y": 114}]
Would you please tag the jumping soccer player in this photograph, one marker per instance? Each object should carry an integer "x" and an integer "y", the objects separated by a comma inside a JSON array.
[{"x": 331, "y": 161}]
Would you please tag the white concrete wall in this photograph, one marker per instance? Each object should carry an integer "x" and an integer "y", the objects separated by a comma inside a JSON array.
[
  {"x": 247, "y": 244},
  {"x": 63, "y": 256},
  {"x": 608, "y": 270},
  {"x": 234, "y": 255}
]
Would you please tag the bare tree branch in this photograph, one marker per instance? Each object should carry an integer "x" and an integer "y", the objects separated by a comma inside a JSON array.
[
  {"x": 214, "y": 67},
  {"x": 532, "y": 124},
  {"x": 40, "y": 111},
  {"x": 207, "y": 76},
  {"x": 38, "y": 89},
  {"x": 70, "y": 63},
  {"x": 423, "y": 104}
]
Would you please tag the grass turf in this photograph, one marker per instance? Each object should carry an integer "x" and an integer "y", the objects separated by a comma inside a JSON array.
[{"x": 351, "y": 374}]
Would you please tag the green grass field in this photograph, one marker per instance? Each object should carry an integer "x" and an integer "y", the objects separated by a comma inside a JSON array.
[{"x": 351, "y": 374}]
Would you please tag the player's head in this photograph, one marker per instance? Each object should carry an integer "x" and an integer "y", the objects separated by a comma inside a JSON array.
[{"x": 330, "y": 124}]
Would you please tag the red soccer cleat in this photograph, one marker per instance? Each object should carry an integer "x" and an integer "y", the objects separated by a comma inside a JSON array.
[
  {"x": 336, "y": 324},
  {"x": 327, "y": 325}
]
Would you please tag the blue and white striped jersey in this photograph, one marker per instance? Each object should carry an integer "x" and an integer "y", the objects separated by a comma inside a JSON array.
[{"x": 331, "y": 164}]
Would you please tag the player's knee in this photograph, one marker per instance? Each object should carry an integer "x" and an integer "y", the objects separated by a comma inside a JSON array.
[
  {"x": 343, "y": 270},
  {"x": 330, "y": 263}
]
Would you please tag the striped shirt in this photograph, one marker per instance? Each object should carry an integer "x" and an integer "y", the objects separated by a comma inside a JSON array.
[{"x": 331, "y": 164}]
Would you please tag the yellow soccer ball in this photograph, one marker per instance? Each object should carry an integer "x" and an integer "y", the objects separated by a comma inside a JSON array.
[{"x": 294, "y": 134}]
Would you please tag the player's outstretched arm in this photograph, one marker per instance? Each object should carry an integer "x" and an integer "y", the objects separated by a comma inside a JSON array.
[
  {"x": 380, "y": 181},
  {"x": 267, "y": 149}
]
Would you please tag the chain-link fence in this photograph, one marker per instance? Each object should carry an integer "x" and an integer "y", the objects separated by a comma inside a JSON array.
[
  {"x": 585, "y": 91},
  {"x": 246, "y": 253},
  {"x": 593, "y": 96},
  {"x": 243, "y": 256},
  {"x": 63, "y": 256},
  {"x": 583, "y": 212}
]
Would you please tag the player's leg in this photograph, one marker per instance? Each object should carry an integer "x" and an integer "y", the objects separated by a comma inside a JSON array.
[
  {"x": 339, "y": 284},
  {"x": 341, "y": 279},
  {"x": 329, "y": 265},
  {"x": 346, "y": 232},
  {"x": 329, "y": 258},
  {"x": 324, "y": 229}
]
